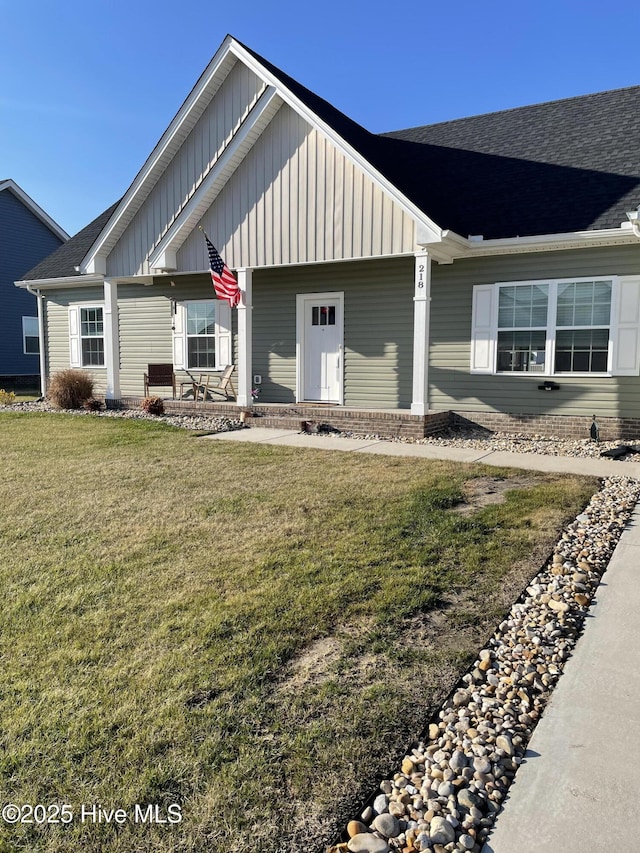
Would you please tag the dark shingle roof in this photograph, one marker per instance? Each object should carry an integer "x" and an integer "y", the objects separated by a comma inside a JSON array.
[
  {"x": 557, "y": 167},
  {"x": 562, "y": 166},
  {"x": 549, "y": 168},
  {"x": 62, "y": 262}
]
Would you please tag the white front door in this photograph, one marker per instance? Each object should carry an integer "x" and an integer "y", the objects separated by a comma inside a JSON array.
[{"x": 320, "y": 336}]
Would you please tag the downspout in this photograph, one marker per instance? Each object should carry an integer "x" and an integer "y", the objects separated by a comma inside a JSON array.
[{"x": 41, "y": 350}]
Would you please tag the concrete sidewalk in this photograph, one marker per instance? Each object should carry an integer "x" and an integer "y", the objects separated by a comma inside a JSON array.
[
  {"x": 529, "y": 461},
  {"x": 575, "y": 789}
]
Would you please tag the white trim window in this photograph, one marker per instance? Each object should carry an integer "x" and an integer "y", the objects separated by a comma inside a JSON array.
[
  {"x": 30, "y": 336},
  {"x": 555, "y": 327},
  {"x": 202, "y": 335},
  {"x": 86, "y": 336}
]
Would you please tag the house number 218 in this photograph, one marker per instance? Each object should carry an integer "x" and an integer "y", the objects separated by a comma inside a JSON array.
[{"x": 420, "y": 275}]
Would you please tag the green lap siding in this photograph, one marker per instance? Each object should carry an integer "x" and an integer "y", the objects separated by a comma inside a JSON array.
[
  {"x": 56, "y": 319},
  {"x": 452, "y": 386},
  {"x": 378, "y": 329},
  {"x": 145, "y": 322},
  {"x": 144, "y": 315}
]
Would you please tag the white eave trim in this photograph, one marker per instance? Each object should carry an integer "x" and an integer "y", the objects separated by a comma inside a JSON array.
[
  {"x": 44, "y": 217},
  {"x": 164, "y": 257},
  {"x": 454, "y": 246},
  {"x": 64, "y": 282}
]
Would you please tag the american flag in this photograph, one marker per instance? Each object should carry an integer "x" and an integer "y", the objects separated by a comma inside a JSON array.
[{"x": 224, "y": 282}]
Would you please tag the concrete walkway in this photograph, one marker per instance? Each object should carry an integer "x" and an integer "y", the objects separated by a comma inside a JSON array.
[
  {"x": 529, "y": 461},
  {"x": 574, "y": 791}
]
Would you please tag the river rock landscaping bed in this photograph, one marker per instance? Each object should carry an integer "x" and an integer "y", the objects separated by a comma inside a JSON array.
[
  {"x": 481, "y": 439},
  {"x": 199, "y": 422},
  {"x": 450, "y": 786}
]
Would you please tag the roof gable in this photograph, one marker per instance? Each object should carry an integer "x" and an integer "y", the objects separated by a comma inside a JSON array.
[
  {"x": 566, "y": 167},
  {"x": 8, "y": 185},
  {"x": 276, "y": 88}
]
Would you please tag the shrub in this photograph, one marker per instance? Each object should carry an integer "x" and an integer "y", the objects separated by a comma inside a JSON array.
[
  {"x": 6, "y": 397},
  {"x": 153, "y": 405},
  {"x": 70, "y": 389},
  {"x": 93, "y": 405}
]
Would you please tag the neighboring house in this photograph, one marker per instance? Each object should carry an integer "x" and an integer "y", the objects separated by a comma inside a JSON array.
[
  {"x": 488, "y": 266},
  {"x": 27, "y": 235}
]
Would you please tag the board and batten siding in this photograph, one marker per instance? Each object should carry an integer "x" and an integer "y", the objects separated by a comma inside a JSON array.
[
  {"x": 296, "y": 199},
  {"x": 196, "y": 157},
  {"x": 453, "y": 387},
  {"x": 56, "y": 322},
  {"x": 378, "y": 329},
  {"x": 144, "y": 315}
]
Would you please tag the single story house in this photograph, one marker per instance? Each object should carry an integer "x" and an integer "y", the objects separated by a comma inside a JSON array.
[
  {"x": 27, "y": 235},
  {"x": 487, "y": 267}
]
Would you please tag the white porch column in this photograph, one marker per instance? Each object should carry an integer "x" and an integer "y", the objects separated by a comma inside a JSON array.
[
  {"x": 111, "y": 340},
  {"x": 245, "y": 350},
  {"x": 421, "y": 311}
]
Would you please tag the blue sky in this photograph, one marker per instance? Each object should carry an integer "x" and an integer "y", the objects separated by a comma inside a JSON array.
[{"x": 87, "y": 87}]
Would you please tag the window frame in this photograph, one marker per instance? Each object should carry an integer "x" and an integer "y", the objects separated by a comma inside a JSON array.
[
  {"x": 75, "y": 335},
  {"x": 551, "y": 329},
  {"x": 25, "y": 335},
  {"x": 81, "y": 337},
  {"x": 189, "y": 337},
  {"x": 223, "y": 335}
]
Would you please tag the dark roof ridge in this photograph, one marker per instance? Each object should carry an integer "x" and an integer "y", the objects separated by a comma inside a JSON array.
[{"x": 508, "y": 110}]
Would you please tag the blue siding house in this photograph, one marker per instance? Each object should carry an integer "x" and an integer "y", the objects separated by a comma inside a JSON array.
[{"x": 27, "y": 235}]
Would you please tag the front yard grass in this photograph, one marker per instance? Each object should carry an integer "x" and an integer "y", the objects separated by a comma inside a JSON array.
[{"x": 253, "y": 633}]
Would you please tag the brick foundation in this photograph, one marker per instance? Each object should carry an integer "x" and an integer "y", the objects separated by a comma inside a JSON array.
[
  {"x": 402, "y": 424},
  {"x": 562, "y": 426}
]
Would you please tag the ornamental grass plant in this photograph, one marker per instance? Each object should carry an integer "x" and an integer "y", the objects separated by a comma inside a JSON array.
[{"x": 70, "y": 389}]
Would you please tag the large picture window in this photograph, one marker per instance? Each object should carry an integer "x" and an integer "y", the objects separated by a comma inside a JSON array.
[{"x": 546, "y": 327}]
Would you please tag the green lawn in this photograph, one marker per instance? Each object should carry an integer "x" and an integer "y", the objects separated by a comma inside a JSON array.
[{"x": 251, "y": 633}]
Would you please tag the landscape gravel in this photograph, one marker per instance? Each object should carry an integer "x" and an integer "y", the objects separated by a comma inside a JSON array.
[
  {"x": 481, "y": 439},
  {"x": 199, "y": 422},
  {"x": 450, "y": 786}
]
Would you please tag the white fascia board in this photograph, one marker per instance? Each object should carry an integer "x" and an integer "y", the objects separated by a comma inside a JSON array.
[
  {"x": 454, "y": 246},
  {"x": 164, "y": 256},
  {"x": 55, "y": 283},
  {"x": 34, "y": 208},
  {"x": 169, "y": 142},
  {"x": 423, "y": 223}
]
